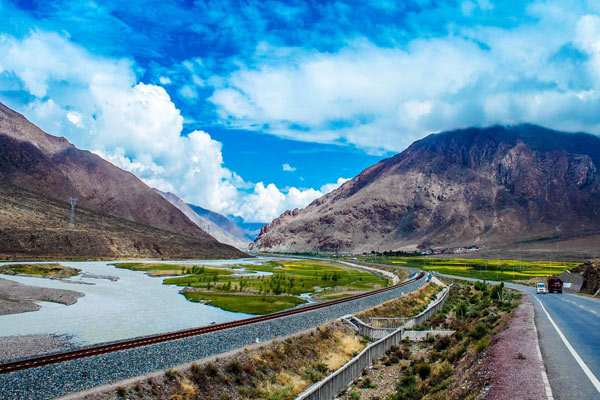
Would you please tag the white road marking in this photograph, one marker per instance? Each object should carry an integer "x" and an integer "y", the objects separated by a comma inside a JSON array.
[
  {"x": 547, "y": 387},
  {"x": 579, "y": 360}
]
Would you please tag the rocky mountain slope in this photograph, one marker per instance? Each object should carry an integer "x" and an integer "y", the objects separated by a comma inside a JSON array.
[
  {"x": 53, "y": 168},
  {"x": 213, "y": 223},
  {"x": 34, "y": 226},
  {"x": 484, "y": 187},
  {"x": 32, "y": 159}
]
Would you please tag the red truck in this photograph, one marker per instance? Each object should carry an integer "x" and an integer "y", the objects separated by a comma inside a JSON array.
[{"x": 555, "y": 284}]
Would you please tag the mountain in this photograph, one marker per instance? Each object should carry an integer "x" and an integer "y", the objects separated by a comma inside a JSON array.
[
  {"x": 228, "y": 226},
  {"x": 34, "y": 226},
  {"x": 213, "y": 223},
  {"x": 487, "y": 187},
  {"x": 53, "y": 168}
]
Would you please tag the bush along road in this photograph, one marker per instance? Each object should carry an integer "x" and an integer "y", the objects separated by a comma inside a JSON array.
[{"x": 569, "y": 336}]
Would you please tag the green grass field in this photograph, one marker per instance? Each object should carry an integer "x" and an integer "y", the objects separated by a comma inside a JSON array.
[
  {"x": 286, "y": 277},
  {"x": 245, "y": 303},
  {"x": 494, "y": 269},
  {"x": 276, "y": 290}
]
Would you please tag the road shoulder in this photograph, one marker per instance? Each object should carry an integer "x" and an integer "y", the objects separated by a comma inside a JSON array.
[{"x": 515, "y": 362}]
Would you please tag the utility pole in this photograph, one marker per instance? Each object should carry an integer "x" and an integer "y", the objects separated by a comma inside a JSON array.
[{"x": 73, "y": 201}]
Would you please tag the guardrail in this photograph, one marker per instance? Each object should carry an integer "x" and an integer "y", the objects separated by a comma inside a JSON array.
[{"x": 329, "y": 387}]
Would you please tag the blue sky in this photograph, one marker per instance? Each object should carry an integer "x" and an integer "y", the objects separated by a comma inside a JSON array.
[{"x": 250, "y": 108}]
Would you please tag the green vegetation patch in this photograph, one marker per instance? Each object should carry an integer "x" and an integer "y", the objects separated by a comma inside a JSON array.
[
  {"x": 261, "y": 288},
  {"x": 286, "y": 277},
  {"x": 43, "y": 270},
  {"x": 492, "y": 269},
  {"x": 160, "y": 269},
  {"x": 247, "y": 304}
]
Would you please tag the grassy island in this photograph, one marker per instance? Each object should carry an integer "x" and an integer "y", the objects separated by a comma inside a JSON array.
[
  {"x": 262, "y": 288},
  {"x": 54, "y": 271}
]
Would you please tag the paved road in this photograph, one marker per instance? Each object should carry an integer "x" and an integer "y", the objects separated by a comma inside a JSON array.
[
  {"x": 578, "y": 320},
  {"x": 572, "y": 374}
]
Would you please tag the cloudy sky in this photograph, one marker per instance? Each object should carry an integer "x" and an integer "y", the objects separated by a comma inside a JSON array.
[{"x": 250, "y": 108}]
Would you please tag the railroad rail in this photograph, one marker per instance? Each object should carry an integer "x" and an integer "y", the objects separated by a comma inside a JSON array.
[{"x": 95, "y": 350}]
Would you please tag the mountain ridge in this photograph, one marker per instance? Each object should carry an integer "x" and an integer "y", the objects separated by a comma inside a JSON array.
[
  {"x": 54, "y": 168},
  {"x": 474, "y": 186}
]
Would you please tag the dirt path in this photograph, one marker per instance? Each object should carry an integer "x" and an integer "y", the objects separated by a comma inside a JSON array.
[{"x": 515, "y": 363}]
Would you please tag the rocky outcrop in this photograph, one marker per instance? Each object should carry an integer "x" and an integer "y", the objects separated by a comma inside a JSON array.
[
  {"x": 591, "y": 276},
  {"x": 481, "y": 187}
]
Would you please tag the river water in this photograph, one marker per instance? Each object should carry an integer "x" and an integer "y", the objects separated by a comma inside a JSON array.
[{"x": 134, "y": 305}]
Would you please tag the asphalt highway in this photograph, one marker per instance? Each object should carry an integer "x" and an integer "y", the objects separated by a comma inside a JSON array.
[
  {"x": 569, "y": 334},
  {"x": 569, "y": 331}
]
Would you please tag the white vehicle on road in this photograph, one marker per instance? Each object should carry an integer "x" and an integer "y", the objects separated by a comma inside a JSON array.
[{"x": 540, "y": 288}]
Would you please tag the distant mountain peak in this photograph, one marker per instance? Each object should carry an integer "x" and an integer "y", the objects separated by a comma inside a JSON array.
[{"x": 217, "y": 225}]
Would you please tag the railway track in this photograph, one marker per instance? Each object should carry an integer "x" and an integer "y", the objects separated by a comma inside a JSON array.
[{"x": 95, "y": 350}]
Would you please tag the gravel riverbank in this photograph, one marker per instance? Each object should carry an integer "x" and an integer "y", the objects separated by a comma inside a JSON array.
[
  {"x": 16, "y": 297},
  {"x": 14, "y": 347},
  {"x": 60, "y": 379}
]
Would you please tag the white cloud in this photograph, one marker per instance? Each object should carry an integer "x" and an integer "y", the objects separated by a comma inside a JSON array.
[
  {"x": 268, "y": 202},
  {"x": 99, "y": 105},
  {"x": 74, "y": 118},
  {"x": 330, "y": 187},
  {"x": 383, "y": 98},
  {"x": 164, "y": 80},
  {"x": 288, "y": 168}
]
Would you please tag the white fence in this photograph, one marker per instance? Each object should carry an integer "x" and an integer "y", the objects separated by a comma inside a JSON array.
[{"x": 329, "y": 387}]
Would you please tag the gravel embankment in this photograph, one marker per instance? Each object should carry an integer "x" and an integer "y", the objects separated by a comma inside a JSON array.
[
  {"x": 60, "y": 379},
  {"x": 14, "y": 347},
  {"x": 16, "y": 297}
]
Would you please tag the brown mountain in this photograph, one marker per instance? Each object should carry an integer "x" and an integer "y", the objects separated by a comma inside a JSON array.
[
  {"x": 484, "y": 187},
  {"x": 217, "y": 225},
  {"x": 54, "y": 168}
]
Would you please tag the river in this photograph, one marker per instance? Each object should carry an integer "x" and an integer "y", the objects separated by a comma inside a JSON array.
[{"x": 134, "y": 305}]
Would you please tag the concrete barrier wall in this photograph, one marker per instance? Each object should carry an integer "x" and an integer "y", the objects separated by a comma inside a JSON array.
[
  {"x": 422, "y": 335},
  {"x": 329, "y": 387}
]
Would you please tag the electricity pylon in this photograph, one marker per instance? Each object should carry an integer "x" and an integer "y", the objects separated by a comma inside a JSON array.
[{"x": 73, "y": 201}]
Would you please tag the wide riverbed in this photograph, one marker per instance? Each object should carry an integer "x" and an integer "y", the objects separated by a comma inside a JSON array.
[{"x": 134, "y": 305}]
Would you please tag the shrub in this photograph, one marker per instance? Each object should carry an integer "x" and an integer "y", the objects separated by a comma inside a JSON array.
[
  {"x": 406, "y": 389},
  {"x": 482, "y": 344},
  {"x": 441, "y": 373},
  {"x": 171, "y": 373},
  {"x": 479, "y": 331},
  {"x": 354, "y": 395},
  {"x": 322, "y": 368},
  {"x": 233, "y": 367},
  {"x": 457, "y": 354},
  {"x": 461, "y": 309},
  {"x": 497, "y": 291},
  {"x": 211, "y": 370},
  {"x": 366, "y": 383},
  {"x": 312, "y": 375},
  {"x": 423, "y": 369},
  {"x": 442, "y": 343},
  {"x": 121, "y": 391}
]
